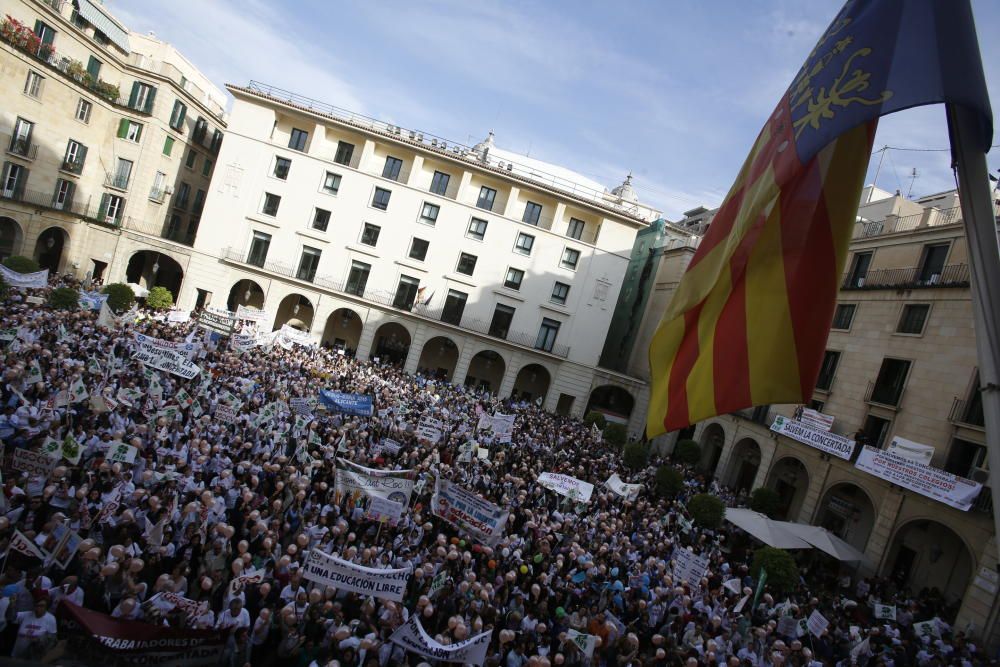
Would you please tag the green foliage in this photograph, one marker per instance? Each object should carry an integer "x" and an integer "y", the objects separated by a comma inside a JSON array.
[
  {"x": 707, "y": 510},
  {"x": 3, "y": 288},
  {"x": 21, "y": 264},
  {"x": 595, "y": 417},
  {"x": 120, "y": 297},
  {"x": 765, "y": 501},
  {"x": 669, "y": 482},
  {"x": 64, "y": 298},
  {"x": 687, "y": 451},
  {"x": 635, "y": 455},
  {"x": 616, "y": 434},
  {"x": 107, "y": 90},
  {"x": 782, "y": 573},
  {"x": 160, "y": 298}
]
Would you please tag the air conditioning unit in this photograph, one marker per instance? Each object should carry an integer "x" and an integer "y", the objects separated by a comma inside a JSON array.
[
  {"x": 935, "y": 279},
  {"x": 860, "y": 282},
  {"x": 981, "y": 475}
]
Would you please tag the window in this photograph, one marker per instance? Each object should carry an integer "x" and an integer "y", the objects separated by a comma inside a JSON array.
[
  {"x": 418, "y": 249},
  {"x": 859, "y": 269},
  {"x": 33, "y": 84},
  {"x": 575, "y": 230},
  {"x": 913, "y": 318},
  {"x": 500, "y": 324},
  {"x": 466, "y": 264},
  {"x": 216, "y": 141},
  {"x": 63, "y": 197},
  {"x": 406, "y": 292},
  {"x": 76, "y": 154},
  {"x": 321, "y": 219},
  {"x": 122, "y": 174},
  {"x": 20, "y": 141},
  {"x": 271, "y": 203},
  {"x": 964, "y": 457},
  {"x": 357, "y": 279},
  {"x": 199, "y": 202},
  {"x": 112, "y": 207},
  {"x": 174, "y": 226},
  {"x": 932, "y": 263},
  {"x": 331, "y": 183},
  {"x": 281, "y": 167},
  {"x": 142, "y": 96},
  {"x": 381, "y": 199},
  {"x": 94, "y": 68},
  {"x": 560, "y": 292},
  {"x": 888, "y": 387},
  {"x": 177, "y": 115},
  {"x": 513, "y": 279},
  {"x": 345, "y": 152},
  {"x": 392, "y": 167},
  {"x": 439, "y": 183},
  {"x": 532, "y": 213},
  {"x": 486, "y": 198},
  {"x": 308, "y": 263},
  {"x": 844, "y": 316},
  {"x": 200, "y": 128},
  {"x": 827, "y": 370},
  {"x": 454, "y": 306},
  {"x": 191, "y": 159},
  {"x": 183, "y": 195},
  {"x": 874, "y": 432},
  {"x": 429, "y": 213},
  {"x": 547, "y": 335},
  {"x": 206, "y": 167},
  {"x": 524, "y": 243},
  {"x": 13, "y": 180},
  {"x": 46, "y": 35},
  {"x": 168, "y": 145},
  {"x": 258, "y": 249},
  {"x": 477, "y": 229},
  {"x": 369, "y": 234},
  {"x": 83, "y": 108},
  {"x": 570, "y": 258},
  {"x": 297, "y": 141},
  {"x": 129, "y": 130}
]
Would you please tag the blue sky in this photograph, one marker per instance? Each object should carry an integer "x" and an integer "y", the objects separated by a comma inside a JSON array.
[{"x": 674, "y": 91}]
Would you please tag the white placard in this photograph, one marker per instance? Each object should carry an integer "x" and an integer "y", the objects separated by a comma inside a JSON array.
[
  {"x": 586, "y": 643},
  {"x": 689, "y": 567},
  {"x": 121, "y": 453},
  {"x": 383, "y": 509},
  {"x": 332, "y": 571},
  {"x": 225, "y": 414},
  {"x": 831, "y": 443},
  {"x": 565, "y": 485},
  {"x": 817, "y": 623},
  {"x": 935, "y": 483},
  {"x": 251, "y": 314},
  {"x": 626, "y": 491},
  {"x": 885, "y": 612},
  {"x": 816, "y": 419},
  {"x": 911, "y": 451}
]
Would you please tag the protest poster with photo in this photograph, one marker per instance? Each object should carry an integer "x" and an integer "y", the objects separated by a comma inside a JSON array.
[
  {"x": 470, "y": 513},
  {"x": 357, "y": 481},
  {"x": 329, "y": 570},
  {"x": 412, "y": 637},
  {"x": 571, "y": 487}
]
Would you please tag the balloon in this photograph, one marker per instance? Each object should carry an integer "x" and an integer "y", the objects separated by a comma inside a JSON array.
[
  {"x": 523, "y": 569},
  {"x": 492, "y": 565}
]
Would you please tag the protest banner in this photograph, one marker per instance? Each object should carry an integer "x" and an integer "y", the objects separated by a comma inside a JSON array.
[
  {"x": 186, "y": 348},
  {"x": 119, "y": 452},
  {"x": 383, "y": 509},
  {"x": 24, "y": 546},
  {"x": 689, "y": 567},
  {"x": 412, "y": 637},
  {"x": 99, "y": 639},
  {"x": 348, "y": 404},
  {"x": 178, "y": 316},
  {"x": 251, "y": 314},
  {"x": 815, "y": 419},
  {"x": 626, "y": 491},
  {"x": 36, "y": 464},
  {"x": 430, "y": 429},
  {"x": 220, "y": 322},
  {"x": 36, "y": 280},
  {"x": 935, "y": 483},
  {"x": 329, "y": 570},
  {"x": 163, "y": 359},
  {"x": 242, "y": 342},
  {"x": 225, "y": 414},
  {"x": 565, "y": 485},
  {"x": 92, "y": 300},
  {"x": 390, "y": 446},
  {"x": 478, "y": 517},
  {"x": 586, "y": 643},
  {"x": 356, "y": 480},
  {"x": 817, "y": 623},
  {"x": 831, "y": 443}
]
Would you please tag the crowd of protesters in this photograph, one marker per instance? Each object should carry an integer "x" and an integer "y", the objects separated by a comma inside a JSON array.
[{"x": 205, "y": 501}]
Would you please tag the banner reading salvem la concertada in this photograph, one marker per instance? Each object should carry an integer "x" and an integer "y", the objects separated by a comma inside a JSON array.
[{"x": 332, "y": 571}]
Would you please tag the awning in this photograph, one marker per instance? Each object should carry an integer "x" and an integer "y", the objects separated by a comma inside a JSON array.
[
  {"x": 97, "y": 18},
  {"x": 770, "y": 532},
  {"x": 824, "y": 540}
]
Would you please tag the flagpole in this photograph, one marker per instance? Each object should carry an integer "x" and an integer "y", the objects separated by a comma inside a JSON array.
[{"x": 969, "y": 162}]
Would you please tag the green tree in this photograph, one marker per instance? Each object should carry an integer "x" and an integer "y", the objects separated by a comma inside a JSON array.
[
  {"x": 21, "y": 264},
  {"x": 120, "y": 297},
  {"x": 64, "y": 298},
  {"x": 687, "y": 451},
  {"x": 782, "y": 573},
  {"x": 707, "y": 510},
  {"x": 616, "y": 434},
  {"x": 635, "y": 455},
  {"x": 595, "y": 417},
  {"x": 765, "y": 501},
  {"x": 160, "y": 298},
  {"x": 669, "y": 482}
]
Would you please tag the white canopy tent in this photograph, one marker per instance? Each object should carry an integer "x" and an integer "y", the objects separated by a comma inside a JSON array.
[{"x": 770, "y": 532}]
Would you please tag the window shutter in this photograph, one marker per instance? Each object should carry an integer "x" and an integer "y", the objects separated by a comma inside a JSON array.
[
  {"x": 102, "y": 212},
  {"x": 93, "y": 67},
  {"x": 134, "y": 95},
  {"x": 81, "y": 155},
  {"x": 138, "y": 133},
  {"x": 31, "y": 130},
  {"x": 22, "y": 181},
  {"x": 70, "y": 191},
  {"x": 168, "y": 145},
  {"x": 122, "y": 128},
  {"x": 149, "y": 100}
]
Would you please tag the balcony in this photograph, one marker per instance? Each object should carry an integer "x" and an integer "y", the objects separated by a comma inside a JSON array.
[
  {"x": 72, "y": 166},
  {"x": 117, "y": 181},
  {"x": 163, "y": 230},
  {"x": 387, "y": 299},
  {"x": 22, "y": 148},
  {"x": 953, "y": 275},
  {"x": 47, "y": 200},
  {"x": 893, "y": 224},
  {"x": 967, "y": 413},
  {"x": 158, "y": 195}
]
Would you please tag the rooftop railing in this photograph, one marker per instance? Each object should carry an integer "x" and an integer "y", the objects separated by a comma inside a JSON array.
[
  {"x": 953, "y": 275},
  {"x": 893, "y": 224}
]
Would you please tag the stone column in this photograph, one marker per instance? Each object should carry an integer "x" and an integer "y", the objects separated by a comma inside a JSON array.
[
  {"x": 885, "y": 521},
  {"x": 417, "y": 341},
  {"x": 767, "y": 449}
]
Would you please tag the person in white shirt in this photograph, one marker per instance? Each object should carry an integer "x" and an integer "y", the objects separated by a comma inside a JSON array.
[
  {"x": 235, "y": 617},
  {"x": 36, "y": 633}
]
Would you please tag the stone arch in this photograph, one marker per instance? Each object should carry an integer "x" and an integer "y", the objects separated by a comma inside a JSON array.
[
  {"x": 847, "y": 511},
  {"x": 532, "y": 382},
  {"x": 439, "y": 357},
  {"x": 392, "y": 343},
  {"x": 713, "y": 440},
  {"x": 296, "y": 311},
  {"x": 49, "y": 248},
  {"x": 150, "y": 268},
  {"x": 743, "y": 465},
  {"x": 11, "y": 237},
  {"x": 614, "y": 402},
  {"x": 343, "y": 330},
  {"x": 925, "y": 553},
  {"x": 245, "y": 292},
  {"x": 789, "y": 477},
  {"x": 486, "y": 370}
]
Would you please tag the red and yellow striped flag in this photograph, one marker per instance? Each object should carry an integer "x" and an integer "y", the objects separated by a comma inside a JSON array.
[{"x": 749, "y": 321}]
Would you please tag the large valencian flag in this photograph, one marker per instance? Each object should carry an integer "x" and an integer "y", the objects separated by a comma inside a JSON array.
[{"x": 749, "y": 321}]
